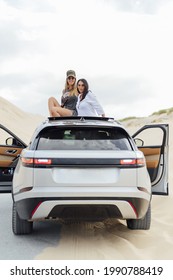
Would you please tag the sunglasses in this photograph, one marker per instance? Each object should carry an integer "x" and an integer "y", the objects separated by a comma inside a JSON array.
[
  {"x": 80, "y": 85},
  {"x": 71, "y": 78}
]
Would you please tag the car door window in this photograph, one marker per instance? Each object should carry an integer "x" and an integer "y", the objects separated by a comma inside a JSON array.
[
  {"x": 5, "y": 156},
  {"x": 153, "y": 140},
  {"x": 10, "y": 148},
  {"x": 151, "y": 147},
  {"x": 152, "y": 137}
]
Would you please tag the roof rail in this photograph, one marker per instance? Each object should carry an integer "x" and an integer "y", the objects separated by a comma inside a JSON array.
[{"x": 82, "y": 118}]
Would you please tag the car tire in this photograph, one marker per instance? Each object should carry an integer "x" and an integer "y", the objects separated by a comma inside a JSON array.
[
  {"x": 20, "y": 226},
  {"x": 143, "y": 223}
]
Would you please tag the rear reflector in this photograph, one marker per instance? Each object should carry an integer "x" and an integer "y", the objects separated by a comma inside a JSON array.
[
  {"x": 26, "y": 189},
  {"x": 35, "y": 209},
  {"x": 134, "y": 208}
]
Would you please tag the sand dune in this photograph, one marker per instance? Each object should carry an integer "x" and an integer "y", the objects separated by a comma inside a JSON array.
[
  {"x": 110, "y": 239},
  {"x": 19, "y": 122}
]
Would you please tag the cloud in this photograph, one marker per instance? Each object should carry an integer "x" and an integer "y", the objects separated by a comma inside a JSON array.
[
  {"x": 35, "y": 6},
  {"x": 123, "y": 48},
  {"x": 138, "y": 6}
]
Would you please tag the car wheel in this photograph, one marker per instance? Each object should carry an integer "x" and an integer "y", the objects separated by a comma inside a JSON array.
[
  {"x": 20, "y": 226},
  {"x": 143, "y": 223}
]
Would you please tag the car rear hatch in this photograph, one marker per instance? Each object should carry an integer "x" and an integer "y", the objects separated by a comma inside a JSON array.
[
  {"x": 85, "y": 168},
  {"x": 85, "y": 156}
]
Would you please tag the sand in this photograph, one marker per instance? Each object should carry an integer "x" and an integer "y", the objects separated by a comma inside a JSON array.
[
  {"x": 108, "y": 240},
  {"x": 19, "y": 122}
]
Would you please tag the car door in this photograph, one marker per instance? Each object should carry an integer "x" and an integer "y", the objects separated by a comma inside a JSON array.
[
  {"x": 153, "y": 140},
  {"x": 10, "y": 148}
]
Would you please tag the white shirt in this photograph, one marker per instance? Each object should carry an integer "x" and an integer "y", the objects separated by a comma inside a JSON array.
[{"x": 89, "y": 106}]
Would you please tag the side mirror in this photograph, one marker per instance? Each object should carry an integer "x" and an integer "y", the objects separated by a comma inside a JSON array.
[
  {"x": 10, "y": 141},
  {"x": 139, "y": 142}
]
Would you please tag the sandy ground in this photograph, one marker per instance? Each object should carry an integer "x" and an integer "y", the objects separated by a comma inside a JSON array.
[{"x": 109, "y": 239}]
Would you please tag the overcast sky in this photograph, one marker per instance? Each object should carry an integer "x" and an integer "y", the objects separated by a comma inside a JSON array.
[{"x": 124, "y": 48}]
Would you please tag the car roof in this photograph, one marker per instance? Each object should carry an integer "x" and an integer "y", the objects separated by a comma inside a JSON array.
[
  {"x": 84, "y": 121},
  {"x": 76, "y": 121}
]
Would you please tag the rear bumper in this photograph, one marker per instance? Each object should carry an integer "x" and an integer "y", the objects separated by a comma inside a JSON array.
[{"x": 85, "y": 208}]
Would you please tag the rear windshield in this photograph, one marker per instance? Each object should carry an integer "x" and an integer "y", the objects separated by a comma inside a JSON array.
[{"x": 83, "y": 138}]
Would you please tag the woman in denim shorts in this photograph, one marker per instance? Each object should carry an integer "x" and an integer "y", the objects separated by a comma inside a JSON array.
[{"x": 68, "y": 99}]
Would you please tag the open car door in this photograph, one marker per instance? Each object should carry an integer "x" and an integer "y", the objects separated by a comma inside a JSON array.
[
  {"x": 152, "y": 140},
  {"x": 10, "y": 148}
]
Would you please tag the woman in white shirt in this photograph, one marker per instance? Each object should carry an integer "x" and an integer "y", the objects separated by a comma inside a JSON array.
[{"x": 87, "y": 104}]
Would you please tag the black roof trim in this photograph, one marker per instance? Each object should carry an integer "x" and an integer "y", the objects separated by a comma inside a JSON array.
[{"x": 82, "y": 118}]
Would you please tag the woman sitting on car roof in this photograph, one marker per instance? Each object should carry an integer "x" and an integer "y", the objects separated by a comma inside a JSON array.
[
  {"x": 68, "y": 99},
  {"x": 87, "y": 104}
]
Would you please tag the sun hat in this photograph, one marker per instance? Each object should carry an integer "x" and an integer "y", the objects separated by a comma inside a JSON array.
[{"x": 71, "y": 73}]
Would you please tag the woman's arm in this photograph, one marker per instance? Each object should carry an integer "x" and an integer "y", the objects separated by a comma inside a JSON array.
[{"x": 95, "y": 104}]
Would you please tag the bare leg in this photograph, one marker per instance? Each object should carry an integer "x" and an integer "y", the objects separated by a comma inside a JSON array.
[
  {"x": 56, "y": 110},
  {"x": 52, "y": 103}
]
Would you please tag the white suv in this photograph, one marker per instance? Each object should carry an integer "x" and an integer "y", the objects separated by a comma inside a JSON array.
[{"x": 89, "y": 168}]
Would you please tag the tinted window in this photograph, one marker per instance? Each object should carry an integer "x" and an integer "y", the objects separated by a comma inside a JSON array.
[{"x": 83, "y": 138}]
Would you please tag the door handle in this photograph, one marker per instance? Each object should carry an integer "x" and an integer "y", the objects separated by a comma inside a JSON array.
[{"x": 10, "y": 151}]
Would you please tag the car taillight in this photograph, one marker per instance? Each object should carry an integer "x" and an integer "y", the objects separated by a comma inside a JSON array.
[
  {"x": 44, "y": 161},
  {"x": 33, "y": 162},
  {"x": 27, "y": 161},
  {"x": 133, "y": 162}
]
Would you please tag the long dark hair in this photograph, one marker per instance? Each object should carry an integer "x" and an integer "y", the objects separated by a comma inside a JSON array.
[{"x": 86, "y": 88}]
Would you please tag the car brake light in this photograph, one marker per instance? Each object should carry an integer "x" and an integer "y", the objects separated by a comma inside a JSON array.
[
  {"x": 31, "y": 162},
  {"x": 43, "y": 161},
  {"x": 127, "y": 161},
  {"x": 136, "y": 161}
]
